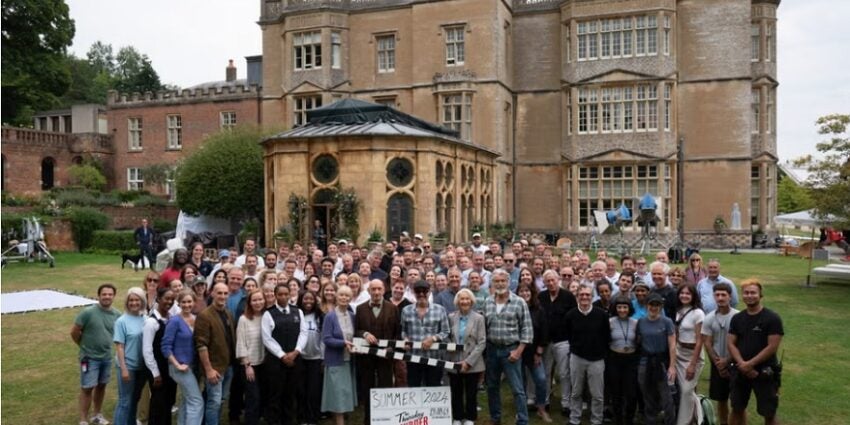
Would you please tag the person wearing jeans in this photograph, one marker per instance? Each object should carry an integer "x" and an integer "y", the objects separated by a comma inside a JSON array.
[
  {"x": 178, "y": 347},
  {"x": 214, "y": 341},
  {"x": 129, "y": 362},
  {"x": 556, "y": 301},
  {"x": 509, "y": 330}
]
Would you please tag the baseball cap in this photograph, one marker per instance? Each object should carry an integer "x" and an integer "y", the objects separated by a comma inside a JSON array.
[
  {"x": 342, "y": 242},
  {"x": 417, "y": 236},
  {"x": 198, "y": 280},
  {"x": 421, "y": 284},
  {"x": 640, "y": 283},
  {"x": 476, "y": 235},
  {"x": 655, "y": 299},
  {"x": 224, "y": 253}
]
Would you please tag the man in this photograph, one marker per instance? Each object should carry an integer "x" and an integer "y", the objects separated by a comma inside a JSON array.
[
  {"x": 418, "y": 240},
  {"x": 754, "y": 338},
  {"x": 477, "y": 265},
  {"x": 316, "y": 257},
  {"x": 511, "y": 269},
  {"x": 477, "y": 246},
  {"x": 640, "y": 270},
  {"x": 328, "y": 270},
  {"x": 611, "y": 274},
  {"x": 627, "y": 265},
  {"x": 144, "y": 236},
  {"x": 284, "y": 333},
  {"x": 509, "y": 330},
  {"x": 705, "y": 287},
  {"x": 347, "y": 264},
  {"x": 270, "y": 260},
  {"x": 377, "y": 319},
  {"x": 215, "y": 338},
  {"x": 495, "y": 248},
  {"x": 290, "y": 269},
  {"x": 658, "y": 272},
  {"x": 537, "y": 268},
  {"x": 516, "y": 248},
  {"x": 333, "y": 254},
  {"x": 92, "y": 332},
  {"x": 446, "y": 298},
  {"x": 601, "y": 255},
  {"x": 714, "y": 332},
  {"x": 426, "y": 323},
  {"x": 248, "y": 249},
  {"x": 411, "y": 277},
  {"x": 556, "y": 301},
  {"x": 567, "y": 277},
  {"x": 251, "y": 267},
  {"x": 282, "y": 255},
  {"x": 624, "y": 286},
  {"x": 589, "y": 332},
  {"x": 319, "y": 236},
  {"x": 657, "y": 366},
  {"x": 596, "y": 272},
  {"x": 374, "y": 259},
  {"x": 301, "y": 260},
  {"x": 387, "y": 257},
  {"x": 344, "y": 247},
  {"x": 234, "y": 379},
  {"x": 662, "y": 257}
]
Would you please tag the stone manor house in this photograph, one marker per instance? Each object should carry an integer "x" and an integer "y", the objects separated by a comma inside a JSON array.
[{"x": 559, "y": 108}]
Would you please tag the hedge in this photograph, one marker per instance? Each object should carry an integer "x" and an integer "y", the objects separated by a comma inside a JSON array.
[
  {"x": 113, "y": 242},
  {"x": 84, "y": 222}
]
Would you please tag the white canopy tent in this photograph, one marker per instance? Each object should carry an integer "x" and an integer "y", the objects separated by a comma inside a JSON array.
[{"x": 801, "y": 218}]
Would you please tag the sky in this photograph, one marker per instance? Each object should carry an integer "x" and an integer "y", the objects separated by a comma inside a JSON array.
[{"x": 190, "y": 41}]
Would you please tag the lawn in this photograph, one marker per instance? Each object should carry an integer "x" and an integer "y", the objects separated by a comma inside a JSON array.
[{"x": 40, "y": 375}]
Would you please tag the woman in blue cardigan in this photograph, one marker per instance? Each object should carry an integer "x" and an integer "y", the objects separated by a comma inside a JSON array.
[
  {"x": 178, "y": 346},
  {"x": 339, "y": 394}
]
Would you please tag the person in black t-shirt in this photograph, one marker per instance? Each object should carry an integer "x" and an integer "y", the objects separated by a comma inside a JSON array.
[{"x": 754, "y": 337}]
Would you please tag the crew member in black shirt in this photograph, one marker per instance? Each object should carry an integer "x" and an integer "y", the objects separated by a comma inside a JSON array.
[{"x": 556, "y": 302}]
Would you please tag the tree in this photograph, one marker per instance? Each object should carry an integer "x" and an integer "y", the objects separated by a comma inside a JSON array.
[
  {"x": 35, "y": 38},
  {"x": 88, "y": 176},
  {"x": 134, "y": 72},
  {"x": 791, "y": 197},
  {"x": 224, "y": 178},
  {"x": 829, "y": 179}
]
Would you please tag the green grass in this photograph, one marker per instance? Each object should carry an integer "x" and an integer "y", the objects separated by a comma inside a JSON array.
[{"x": 40, "y": 375}]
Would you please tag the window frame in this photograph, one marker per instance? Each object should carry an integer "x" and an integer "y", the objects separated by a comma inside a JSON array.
[
  {"x": 386, "y": 52},
  {"x": 174, "y": 131},
  {"x": 299, "y": 107},
  {"x": 460, "y": 112},
  {"x": 134, "y": 134},
  {"x": 135, "y": 179},
  {"x": 455, "y": 42},
  {"x": 227, "y": 120},
  {"x": 304, "y": 50}
]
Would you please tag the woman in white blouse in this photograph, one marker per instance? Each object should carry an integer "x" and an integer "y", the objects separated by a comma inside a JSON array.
[
  {"x": 689, "y": 363},
  {"x": 250, "y": 352}
]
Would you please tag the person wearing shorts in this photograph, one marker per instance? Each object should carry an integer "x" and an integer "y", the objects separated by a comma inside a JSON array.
[
  {"x": 754, "y": 338},
  {"x": 92, "y": 332},
  {"x": 715, "y": 328}
]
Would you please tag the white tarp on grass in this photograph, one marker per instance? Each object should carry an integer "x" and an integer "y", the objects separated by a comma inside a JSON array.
[{"x": 42, "y": 299}]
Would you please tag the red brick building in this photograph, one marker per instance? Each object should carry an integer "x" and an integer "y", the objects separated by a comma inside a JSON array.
[{"x": 164, "y": 127}]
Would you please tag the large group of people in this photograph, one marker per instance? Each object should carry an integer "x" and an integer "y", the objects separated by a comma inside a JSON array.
[{"x": 271, "y": 333}]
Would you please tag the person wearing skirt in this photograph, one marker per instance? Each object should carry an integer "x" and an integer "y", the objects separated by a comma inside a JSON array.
[
  {"x": 689, "y": 363},
  {"x": 339, "y": 392}
]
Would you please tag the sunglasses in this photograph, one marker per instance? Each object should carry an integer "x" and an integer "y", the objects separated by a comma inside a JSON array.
[
  {"x": 152, "y": 280},
  {"x": 695, "y": 261}
]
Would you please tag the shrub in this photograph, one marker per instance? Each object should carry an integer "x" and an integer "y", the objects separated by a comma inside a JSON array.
[
  {"x": 78, "y": 197},
  {"x": 162, "y": 225},
  {"x": 112, "y": 242},
  {"x": 149, "y": 200},
  {"x": 88, "y": 176},
  {"x": 84, "y": 222},
  {"x": 128, "y": 195}
]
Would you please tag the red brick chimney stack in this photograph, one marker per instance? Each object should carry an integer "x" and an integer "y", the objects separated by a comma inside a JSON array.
[{"x": 230, "y": 74}]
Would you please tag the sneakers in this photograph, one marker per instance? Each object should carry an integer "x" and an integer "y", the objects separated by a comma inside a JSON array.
[
  {"x": 98, "y": 419},
  {"x": 544, "y": 416}
]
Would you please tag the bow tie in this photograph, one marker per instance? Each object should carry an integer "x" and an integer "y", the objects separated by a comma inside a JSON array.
[{"x": 375, "y": 305}]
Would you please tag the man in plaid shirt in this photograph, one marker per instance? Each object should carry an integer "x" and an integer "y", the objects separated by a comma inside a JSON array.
[
  {"x": 508, "y": 331},
  {"x": 427, "y": 323}
]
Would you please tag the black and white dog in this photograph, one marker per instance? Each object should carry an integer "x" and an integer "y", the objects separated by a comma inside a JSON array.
[{"x": 134, "y": 259}]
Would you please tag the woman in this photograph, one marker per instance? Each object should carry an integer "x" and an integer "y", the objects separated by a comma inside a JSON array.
[
  {"x": 250, "y": 353},
  {"x": 309, "y": 270},
  {"x": 573, "y": 287},
  {"x": 341, "y": 279},
  {"x": 129, "y": 361},
  {"x": 396, "y": 274},
  {"x": 621, "y": 363},
  {"x": 268, "y": 294},
  {"x": 695, "y": 271},
  {"x": 526, "y": 275},
  {"x": 151, "y": 284},
  {"x": 179, "y": 347},
  {"x": 197, "y": 259},
  {"x": 327, "y": 298},
  {"x": 294, "y": 290},
  {"x": 656, "y": 368},
  {"x": 310, "y": 393},
  {"x": 532, "y": 355},
  {"x": 689, "y": 363},
  {"x": 676, "y": 277},
  {"x": 641, "y": 292},
  {"x": 468, "y": 329},
  {"x": 200, "y": 289},
  {"x": 249, "y": 284},
  {"x": 268, "y": 275},
  {"x": 431, "y": 278},
  {"x": 163, "y": 389},
  {"x": 187, "y": 274},
  {"x": 175, "y": 266},
  {"x": 397, "y": 296},
  {"x": 339, "y": 394},
  {"x": 314, "y": 283},
  {"x": 603, "y": 290},
  {"x": 358, "y": 295}
]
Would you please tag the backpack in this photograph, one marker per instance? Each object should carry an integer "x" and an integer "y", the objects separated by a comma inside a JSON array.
[{"x": 709, "y": 416}]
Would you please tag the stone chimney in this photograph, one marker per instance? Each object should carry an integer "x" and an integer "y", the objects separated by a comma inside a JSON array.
[{"x": 230, "y": 74}]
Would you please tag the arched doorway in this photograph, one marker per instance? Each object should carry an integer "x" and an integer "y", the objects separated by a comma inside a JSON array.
[
  {"x": 324, "y": 210},
  {"x": 47, "y": 173},
  {"x": 399, "y": 215}
]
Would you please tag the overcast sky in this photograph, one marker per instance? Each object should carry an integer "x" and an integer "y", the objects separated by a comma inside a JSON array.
[{"x": 190, "y": 41}]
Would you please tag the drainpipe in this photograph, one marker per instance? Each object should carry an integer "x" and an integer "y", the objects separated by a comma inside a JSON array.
[{"x": 680, "y": 192}]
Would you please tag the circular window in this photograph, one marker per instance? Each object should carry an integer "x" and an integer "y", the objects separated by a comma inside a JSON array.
[
  {"x": 399, "y": 172},
  {"x": 325, "y": 169}
]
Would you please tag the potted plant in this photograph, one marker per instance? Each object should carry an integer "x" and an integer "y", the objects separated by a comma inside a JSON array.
[
  {"x": 438, "y": 240},
  {"x": 376, "y": 238}
]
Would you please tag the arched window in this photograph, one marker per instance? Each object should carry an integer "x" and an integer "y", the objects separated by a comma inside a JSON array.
[
  {"x": 47, "y": 173},
  {"x": 399, "y": 215}
]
